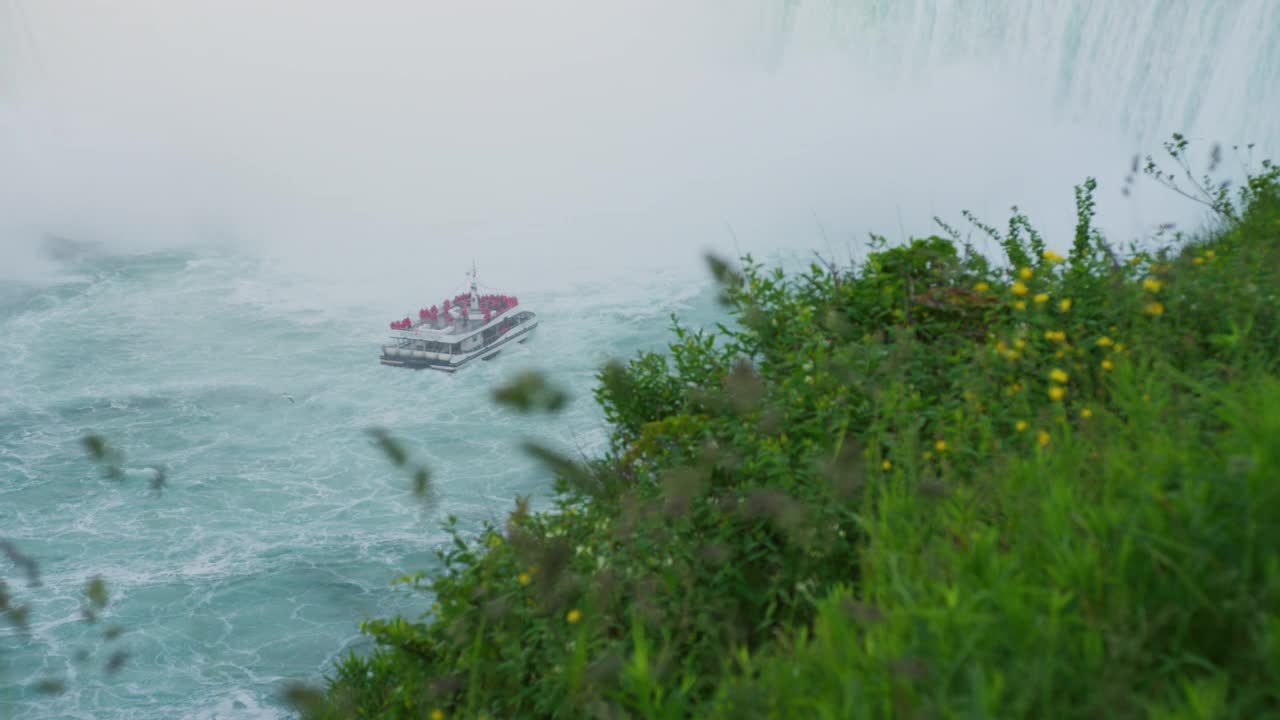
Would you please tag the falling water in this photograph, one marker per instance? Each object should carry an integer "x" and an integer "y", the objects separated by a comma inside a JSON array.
[{"x": 1207, "y": 68}]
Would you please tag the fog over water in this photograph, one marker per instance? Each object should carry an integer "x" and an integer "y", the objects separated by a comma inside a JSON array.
[
  {"x": 207, "y": 206},
  {"x": 398, "y": 140}
]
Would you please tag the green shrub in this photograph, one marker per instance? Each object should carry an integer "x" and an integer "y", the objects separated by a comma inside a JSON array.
[
  {"x": 1127, "y": 569},
  {"x": 934, "y": 484}
]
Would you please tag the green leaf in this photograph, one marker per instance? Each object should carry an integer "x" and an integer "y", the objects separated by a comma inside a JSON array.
[
  {"x": 96, "y": 591},
  {"x": 391, "y": 447}
]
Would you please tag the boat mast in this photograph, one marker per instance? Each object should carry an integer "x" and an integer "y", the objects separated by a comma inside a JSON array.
[{"x": 475, "y": 295}]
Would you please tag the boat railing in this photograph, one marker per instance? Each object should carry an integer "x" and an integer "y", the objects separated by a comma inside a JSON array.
[
  {"x": 461, "y": 329},
  {"x": 489, "y": 332}
]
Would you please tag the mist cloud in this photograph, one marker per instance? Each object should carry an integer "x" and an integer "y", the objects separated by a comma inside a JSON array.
[{"x": 391, "y": 142}]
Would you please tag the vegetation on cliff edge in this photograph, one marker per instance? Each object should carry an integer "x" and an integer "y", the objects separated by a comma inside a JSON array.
[{"x": 933, "y": 484}]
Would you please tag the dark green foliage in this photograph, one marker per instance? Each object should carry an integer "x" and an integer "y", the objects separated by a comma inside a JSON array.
[
  {"x": 925, "y": 486},
  {"x": 1127, "y": 569},
  {"x": 530, "y": 392},
  {"x": 390, "y": 447},
  {"x": 96, "y": 599},
  {"x": 95, "y": 596},
  {"x": 644, "y": 390},
  {"x": 399, "y": 457},
  {"x": 1086, "y": 240},
  {"x": 15, "y": 614},
  {"x": 50, "y": 686},
  {"x": 111, "y": 460},
  {"x": 307, "y": 700},
  {"x": 26, "y": 563}
]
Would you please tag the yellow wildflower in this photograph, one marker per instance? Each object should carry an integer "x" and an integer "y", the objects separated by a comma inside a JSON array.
[
  {"x": 437, "y": 714},
  {"x": 1058, "y": 375},
  {"x": 1019, "y": 288},
  {"x": 1152, "y": 284},
  {"x": 1064, "y": 304},
  {"x": 1056, "y": 393},
  {"x": 941, "y": 446},
  {"x": 886, "y": 465},
  {"x": 1042, "y": 297},
  {"x": 1020, "y": 305},
  {"x": 523, "y": 578},
  {"x": 1086, "y": 413},
  {"x": 1053, "y": 257},
  {"x": 1020, "y": 425},
  {"x": 1198, "y": 261},
  {"x": 1209, "y": 253},
  {"x": 1026, "y": 273},
  {"x": 982, "y": 287},
  {"x": 1105, "y": 341},
  {"x": 1055, "y": 335},
  {"x": 1106, "y": 365},
  {"x": 1155, "y": 309},
  {"x": 1019, "y": 343},
  {"x": 1042, "y": 437},
  {"x": 1119, "y": 347},
  {"x": 573, "y": 616}
]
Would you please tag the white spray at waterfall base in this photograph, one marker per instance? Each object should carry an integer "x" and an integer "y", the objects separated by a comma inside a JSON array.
[{"x": 382, "y": 147}]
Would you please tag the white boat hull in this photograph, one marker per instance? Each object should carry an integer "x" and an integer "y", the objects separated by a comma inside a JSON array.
[{"x": 407, "y": 357}]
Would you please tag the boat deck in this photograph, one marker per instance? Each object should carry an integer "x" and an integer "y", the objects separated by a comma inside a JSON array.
[
  {"x": 457, "y": 329},
  {"x": 449, "y": 352}
]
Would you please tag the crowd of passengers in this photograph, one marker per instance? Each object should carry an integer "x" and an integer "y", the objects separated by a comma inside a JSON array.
[{"x": 490, "y": 305}]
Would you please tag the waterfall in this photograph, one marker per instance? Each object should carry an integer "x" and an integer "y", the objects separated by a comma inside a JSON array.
[
  {"x": 18, "y": 52},
  {"x": 788, "y": 121},
  {"x": 1145, "y": 68}
]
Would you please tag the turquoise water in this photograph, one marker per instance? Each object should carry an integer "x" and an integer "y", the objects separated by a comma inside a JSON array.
[{"x": 281, "y": 525}]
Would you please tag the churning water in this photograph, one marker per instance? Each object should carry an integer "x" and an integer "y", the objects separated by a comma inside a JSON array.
[
  {"x": 257, "y": 235},
  {"x": 281, "y": 524}
]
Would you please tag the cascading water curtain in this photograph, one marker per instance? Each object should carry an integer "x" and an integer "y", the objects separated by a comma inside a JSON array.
[{"x": 1208, "y": 68}]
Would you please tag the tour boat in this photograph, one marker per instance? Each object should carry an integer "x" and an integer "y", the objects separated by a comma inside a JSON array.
[{"x": 470, "y": 326}]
